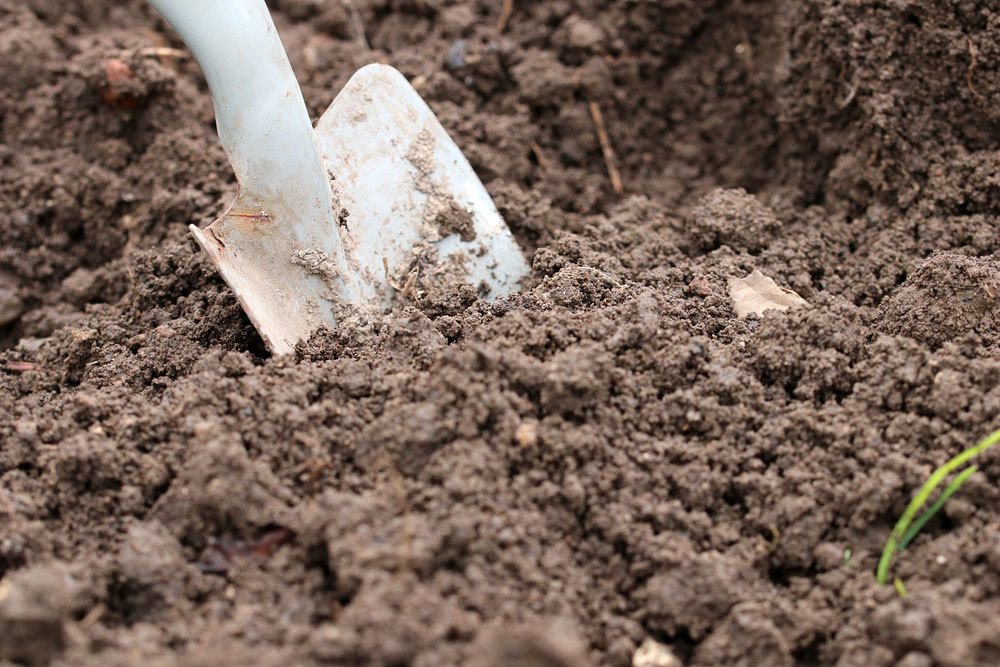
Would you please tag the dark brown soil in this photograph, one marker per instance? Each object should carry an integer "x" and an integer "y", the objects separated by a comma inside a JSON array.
[{"x": 609, "y": 457}]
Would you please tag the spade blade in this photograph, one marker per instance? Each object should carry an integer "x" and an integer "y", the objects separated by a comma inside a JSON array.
[{"x": 403, "y": 198}]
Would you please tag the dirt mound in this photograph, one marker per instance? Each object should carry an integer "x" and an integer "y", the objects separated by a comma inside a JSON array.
[
  {"x": 947, "y": 296},
  {"x": 611, "y": 456}
]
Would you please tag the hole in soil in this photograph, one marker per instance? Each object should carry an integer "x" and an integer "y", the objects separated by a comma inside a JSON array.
[
  {"x": 734, "y": 498},
  {"x": 816, "y": 277},
  {"x": 808, "y": 655},
  {"x": 782, "y": 576},
  {"x": 10, "y": 335},
  {"x": 913, "y": 19}
]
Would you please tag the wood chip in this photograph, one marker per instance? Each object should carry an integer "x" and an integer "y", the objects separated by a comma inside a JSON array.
[{"x": 757, "y": 293}]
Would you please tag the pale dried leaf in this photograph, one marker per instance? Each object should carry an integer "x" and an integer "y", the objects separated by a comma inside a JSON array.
[{"x": 757, "y": 293}]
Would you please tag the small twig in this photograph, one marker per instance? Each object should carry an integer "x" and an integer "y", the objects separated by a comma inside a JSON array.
[
  {"x": 93, "y": 616},
  {"x": 606, "y": 148},
  {"x": 505, "y": 13},
  {"x": 21, "y": 366},
  {"x": 357, "y": 24},
  {"x": 543, "y": 160},
  {"x": 973, "y": 57},
  {"x": 164, "y": 52},
  {"x": 852, "y": 92}
]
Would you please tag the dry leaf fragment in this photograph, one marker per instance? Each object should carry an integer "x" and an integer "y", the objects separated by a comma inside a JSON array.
[{"x": 757, "y": 293}]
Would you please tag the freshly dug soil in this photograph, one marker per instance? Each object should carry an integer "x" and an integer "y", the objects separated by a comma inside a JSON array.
[{"x": 611, "y": 456}]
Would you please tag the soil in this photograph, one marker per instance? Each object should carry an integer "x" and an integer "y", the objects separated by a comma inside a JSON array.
[{"x": 553, "y": 479}]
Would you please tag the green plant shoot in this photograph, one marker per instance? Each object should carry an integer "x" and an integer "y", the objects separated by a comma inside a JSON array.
[
  {"x": 948, "y": 492},
  {"x": 909, "y": 525}
]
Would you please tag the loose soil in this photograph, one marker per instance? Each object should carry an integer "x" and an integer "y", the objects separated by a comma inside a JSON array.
[{"x": 610, "y": 456}]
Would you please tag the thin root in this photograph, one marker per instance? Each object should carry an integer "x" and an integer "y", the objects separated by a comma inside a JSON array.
[
  {"x": 543, "y": 160},
  {"x": 505, "y": 13},
  {"x": 973, "y": 57},
  {"x": 606, "y": 148},
  {"x": 408, "y": 290}
]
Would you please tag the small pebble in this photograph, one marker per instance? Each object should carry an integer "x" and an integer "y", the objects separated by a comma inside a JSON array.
[
  {"x": 456, "y": 54},
  {"x": 654, "y": 654},
  {"x": 526, "y": 434}
]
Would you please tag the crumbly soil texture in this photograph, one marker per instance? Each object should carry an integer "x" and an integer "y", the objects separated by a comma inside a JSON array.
[{"x": 611, "y": 457}]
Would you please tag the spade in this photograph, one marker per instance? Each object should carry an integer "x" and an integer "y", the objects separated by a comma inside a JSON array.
[{"x": 337, "y": 217}]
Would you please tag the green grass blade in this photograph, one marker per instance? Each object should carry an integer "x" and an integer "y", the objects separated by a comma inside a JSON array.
[
  {"x": 902, "y": 526},
  {"x": 948, "y": 492}
]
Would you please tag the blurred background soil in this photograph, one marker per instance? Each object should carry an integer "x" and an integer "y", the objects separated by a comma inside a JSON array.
[{"x": 609, "y": 458}]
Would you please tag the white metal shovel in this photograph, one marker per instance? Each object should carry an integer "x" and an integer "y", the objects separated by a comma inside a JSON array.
[{"x": 329, "y": 218}]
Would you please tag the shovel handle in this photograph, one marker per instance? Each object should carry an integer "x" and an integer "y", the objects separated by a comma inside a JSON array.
[{"x": 259, "y": 110}]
